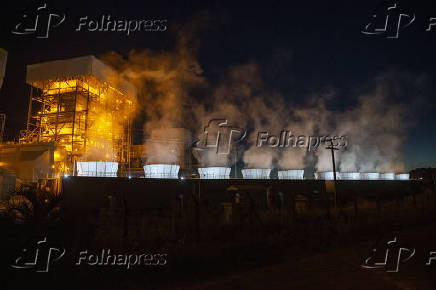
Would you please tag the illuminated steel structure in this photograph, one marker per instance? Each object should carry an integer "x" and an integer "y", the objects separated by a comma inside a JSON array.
[{"x": 82, "y": 106}]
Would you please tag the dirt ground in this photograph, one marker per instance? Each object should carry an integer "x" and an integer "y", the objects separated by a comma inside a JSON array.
[{"x": 339, "y": 269}]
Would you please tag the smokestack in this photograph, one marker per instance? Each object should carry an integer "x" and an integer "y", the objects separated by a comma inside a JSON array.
[
  {"x": 291, "y": 174},
  {"x": 214, "y": 172},
  {"x": 97, "y": 169},
  {"x": 256, "y": 173},
  {"x": 167, "y": 171}
]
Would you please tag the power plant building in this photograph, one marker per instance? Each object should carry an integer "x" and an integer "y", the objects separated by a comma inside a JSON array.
[{"x": 82, "y": 107}]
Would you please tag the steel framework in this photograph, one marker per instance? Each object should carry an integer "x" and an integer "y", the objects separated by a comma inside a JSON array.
[{"x": 89, "y": 119}]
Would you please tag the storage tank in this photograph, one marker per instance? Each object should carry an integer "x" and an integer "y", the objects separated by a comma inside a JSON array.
[
  {"x": 97, "y": 169},
  {"x": 167, "y": 171},
  {"x": 350, "y": 175},
  {"x": 402, "y": 176},
  {"x": 291, "y": 174},
  {"x": 256, "y": 173},
  {"x": 214, "y": 172},
  {"x": 327, "y": 175},
  {"x": 387, "y": 176},
  {"x": 370, "y": 176}
]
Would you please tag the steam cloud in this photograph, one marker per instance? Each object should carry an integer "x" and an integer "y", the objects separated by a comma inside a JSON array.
[
  {"x": 375, "y": 126},
  {"x": 163, "y": 80}
]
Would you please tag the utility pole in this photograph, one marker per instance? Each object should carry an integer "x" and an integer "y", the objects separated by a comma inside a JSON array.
[{"x": 332, "y": 148}]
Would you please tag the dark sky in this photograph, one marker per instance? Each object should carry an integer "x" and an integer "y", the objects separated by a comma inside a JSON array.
[{"x": 323, "y": 40}]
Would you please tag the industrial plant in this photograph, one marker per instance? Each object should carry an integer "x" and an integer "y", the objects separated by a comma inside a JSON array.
[
  {"x": 213, "y": 145},
  {"x": 79, "y": 123},
  {"x": 79, "y": 115}
]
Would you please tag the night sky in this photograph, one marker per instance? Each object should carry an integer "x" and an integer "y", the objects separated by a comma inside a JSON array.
[{"x": 303, "y": 47}]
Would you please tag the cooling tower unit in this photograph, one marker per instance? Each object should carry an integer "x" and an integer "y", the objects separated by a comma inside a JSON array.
[
  {"x": 167, "y": 171},
  {"x": 256, "y": 173},
  {"x": 170, "y": 146},
  {"x": 350, "y": 175},
  {"x": 97, "y": 169},
  {"x": 291, "y": 174},
  {"x": 402, "y": 176},
  {"x": 370, "y": 176},
  {"x": 214, "y": 172},
  {"x": 387, "y": 176},
  {"x": 328, "y": 175}
]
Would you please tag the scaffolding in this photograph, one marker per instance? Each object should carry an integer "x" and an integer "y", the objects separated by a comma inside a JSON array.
[{"x": 86, "y": 117}]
